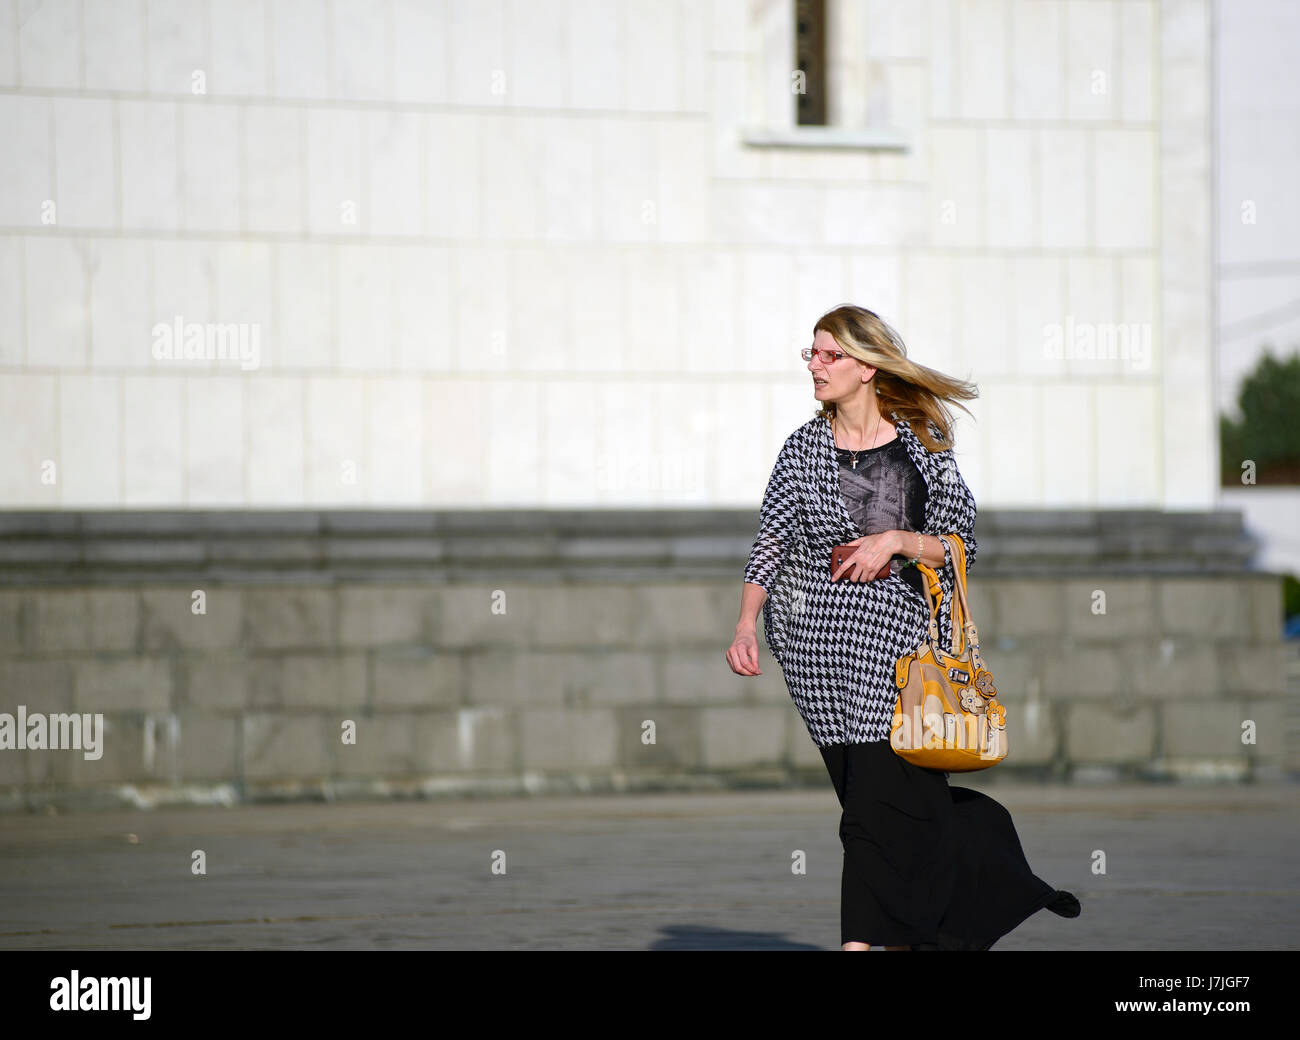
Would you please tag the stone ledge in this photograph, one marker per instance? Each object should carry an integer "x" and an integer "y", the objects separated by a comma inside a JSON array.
[
  {"x": 362, "y": 790},
  {"x": 871, "y": 138},
  {"x": 91, "y": 547}
]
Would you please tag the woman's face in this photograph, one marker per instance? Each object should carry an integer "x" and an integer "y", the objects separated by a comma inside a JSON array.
[{"x": 843, "y": 377}]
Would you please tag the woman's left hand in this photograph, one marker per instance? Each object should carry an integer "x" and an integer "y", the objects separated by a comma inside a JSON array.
[{"x": 874, "y": 551}]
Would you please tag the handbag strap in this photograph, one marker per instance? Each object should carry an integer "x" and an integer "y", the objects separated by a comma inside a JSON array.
[
  {"x": 958, "y": 548},
  {"x": 934, "y": 597},
  {"x": 964, "y": 631},
  {"x": 959, "y": 609}
]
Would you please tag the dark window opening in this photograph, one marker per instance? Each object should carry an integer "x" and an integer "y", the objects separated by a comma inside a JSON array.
[{"x": 810, "y": 59}]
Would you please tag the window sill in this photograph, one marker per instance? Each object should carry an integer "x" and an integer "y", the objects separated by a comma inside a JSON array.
[{"x": 864, "y": 139}]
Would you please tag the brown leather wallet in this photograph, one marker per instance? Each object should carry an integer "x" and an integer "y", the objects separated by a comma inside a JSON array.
[{"x": 842, "y": 552}]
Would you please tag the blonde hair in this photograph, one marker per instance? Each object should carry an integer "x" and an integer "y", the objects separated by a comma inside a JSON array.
[{"x": 913, "y": 391}]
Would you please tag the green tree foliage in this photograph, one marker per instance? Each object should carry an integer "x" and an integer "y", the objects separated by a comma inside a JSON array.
[{"x": 1269, "y": 430}]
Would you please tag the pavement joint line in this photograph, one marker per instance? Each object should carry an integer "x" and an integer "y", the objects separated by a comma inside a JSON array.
[
  {"x": 716, "y": 905},
  {"x": 500, "y": 911}
]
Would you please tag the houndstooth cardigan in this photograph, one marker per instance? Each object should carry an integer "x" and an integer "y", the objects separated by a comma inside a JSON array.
[{"x": 837, "y": 642}]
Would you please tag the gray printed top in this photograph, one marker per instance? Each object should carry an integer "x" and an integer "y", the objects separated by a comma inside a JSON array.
[
  {"x": 837, "y": 642},
  {"x": 884, "y": 491}
]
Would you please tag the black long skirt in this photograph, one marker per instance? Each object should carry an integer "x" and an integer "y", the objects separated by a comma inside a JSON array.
[{"x": 928, "y": 865}]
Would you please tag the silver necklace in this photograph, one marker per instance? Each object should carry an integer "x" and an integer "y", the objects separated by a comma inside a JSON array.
[{"x": 873, "y": 437}]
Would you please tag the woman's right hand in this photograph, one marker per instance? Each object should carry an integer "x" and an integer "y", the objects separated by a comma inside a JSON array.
[{"x": 743, "y": 654}]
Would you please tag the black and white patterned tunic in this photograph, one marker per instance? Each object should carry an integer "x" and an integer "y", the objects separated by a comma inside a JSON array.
[{"x": 837, "y": 642}]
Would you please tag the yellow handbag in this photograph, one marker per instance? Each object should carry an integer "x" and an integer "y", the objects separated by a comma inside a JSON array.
[{"x": 947, "y": 715}]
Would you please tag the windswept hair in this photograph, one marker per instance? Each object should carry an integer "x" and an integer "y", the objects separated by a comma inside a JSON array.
[{"x": 914, "y": 391}]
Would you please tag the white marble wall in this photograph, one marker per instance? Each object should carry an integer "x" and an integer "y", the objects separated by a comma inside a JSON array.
[{"x": 500, "y": 252}]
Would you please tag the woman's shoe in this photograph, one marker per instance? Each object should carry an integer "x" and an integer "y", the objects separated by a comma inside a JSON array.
[{"x": 1065, "y": 904}]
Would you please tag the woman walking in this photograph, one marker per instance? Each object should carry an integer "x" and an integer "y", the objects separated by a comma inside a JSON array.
[{"x": 926, "y": 865}]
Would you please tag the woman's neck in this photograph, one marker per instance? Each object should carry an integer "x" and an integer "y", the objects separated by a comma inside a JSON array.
[{"x": 861, "y": 428}]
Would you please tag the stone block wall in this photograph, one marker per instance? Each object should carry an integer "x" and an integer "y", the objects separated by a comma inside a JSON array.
[
  {"x": 613, "y": 202},
  {"x": 548, "y": 674}
]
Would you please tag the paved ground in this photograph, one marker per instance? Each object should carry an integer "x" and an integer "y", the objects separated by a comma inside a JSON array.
[{"x": 1186, "y": 868}]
